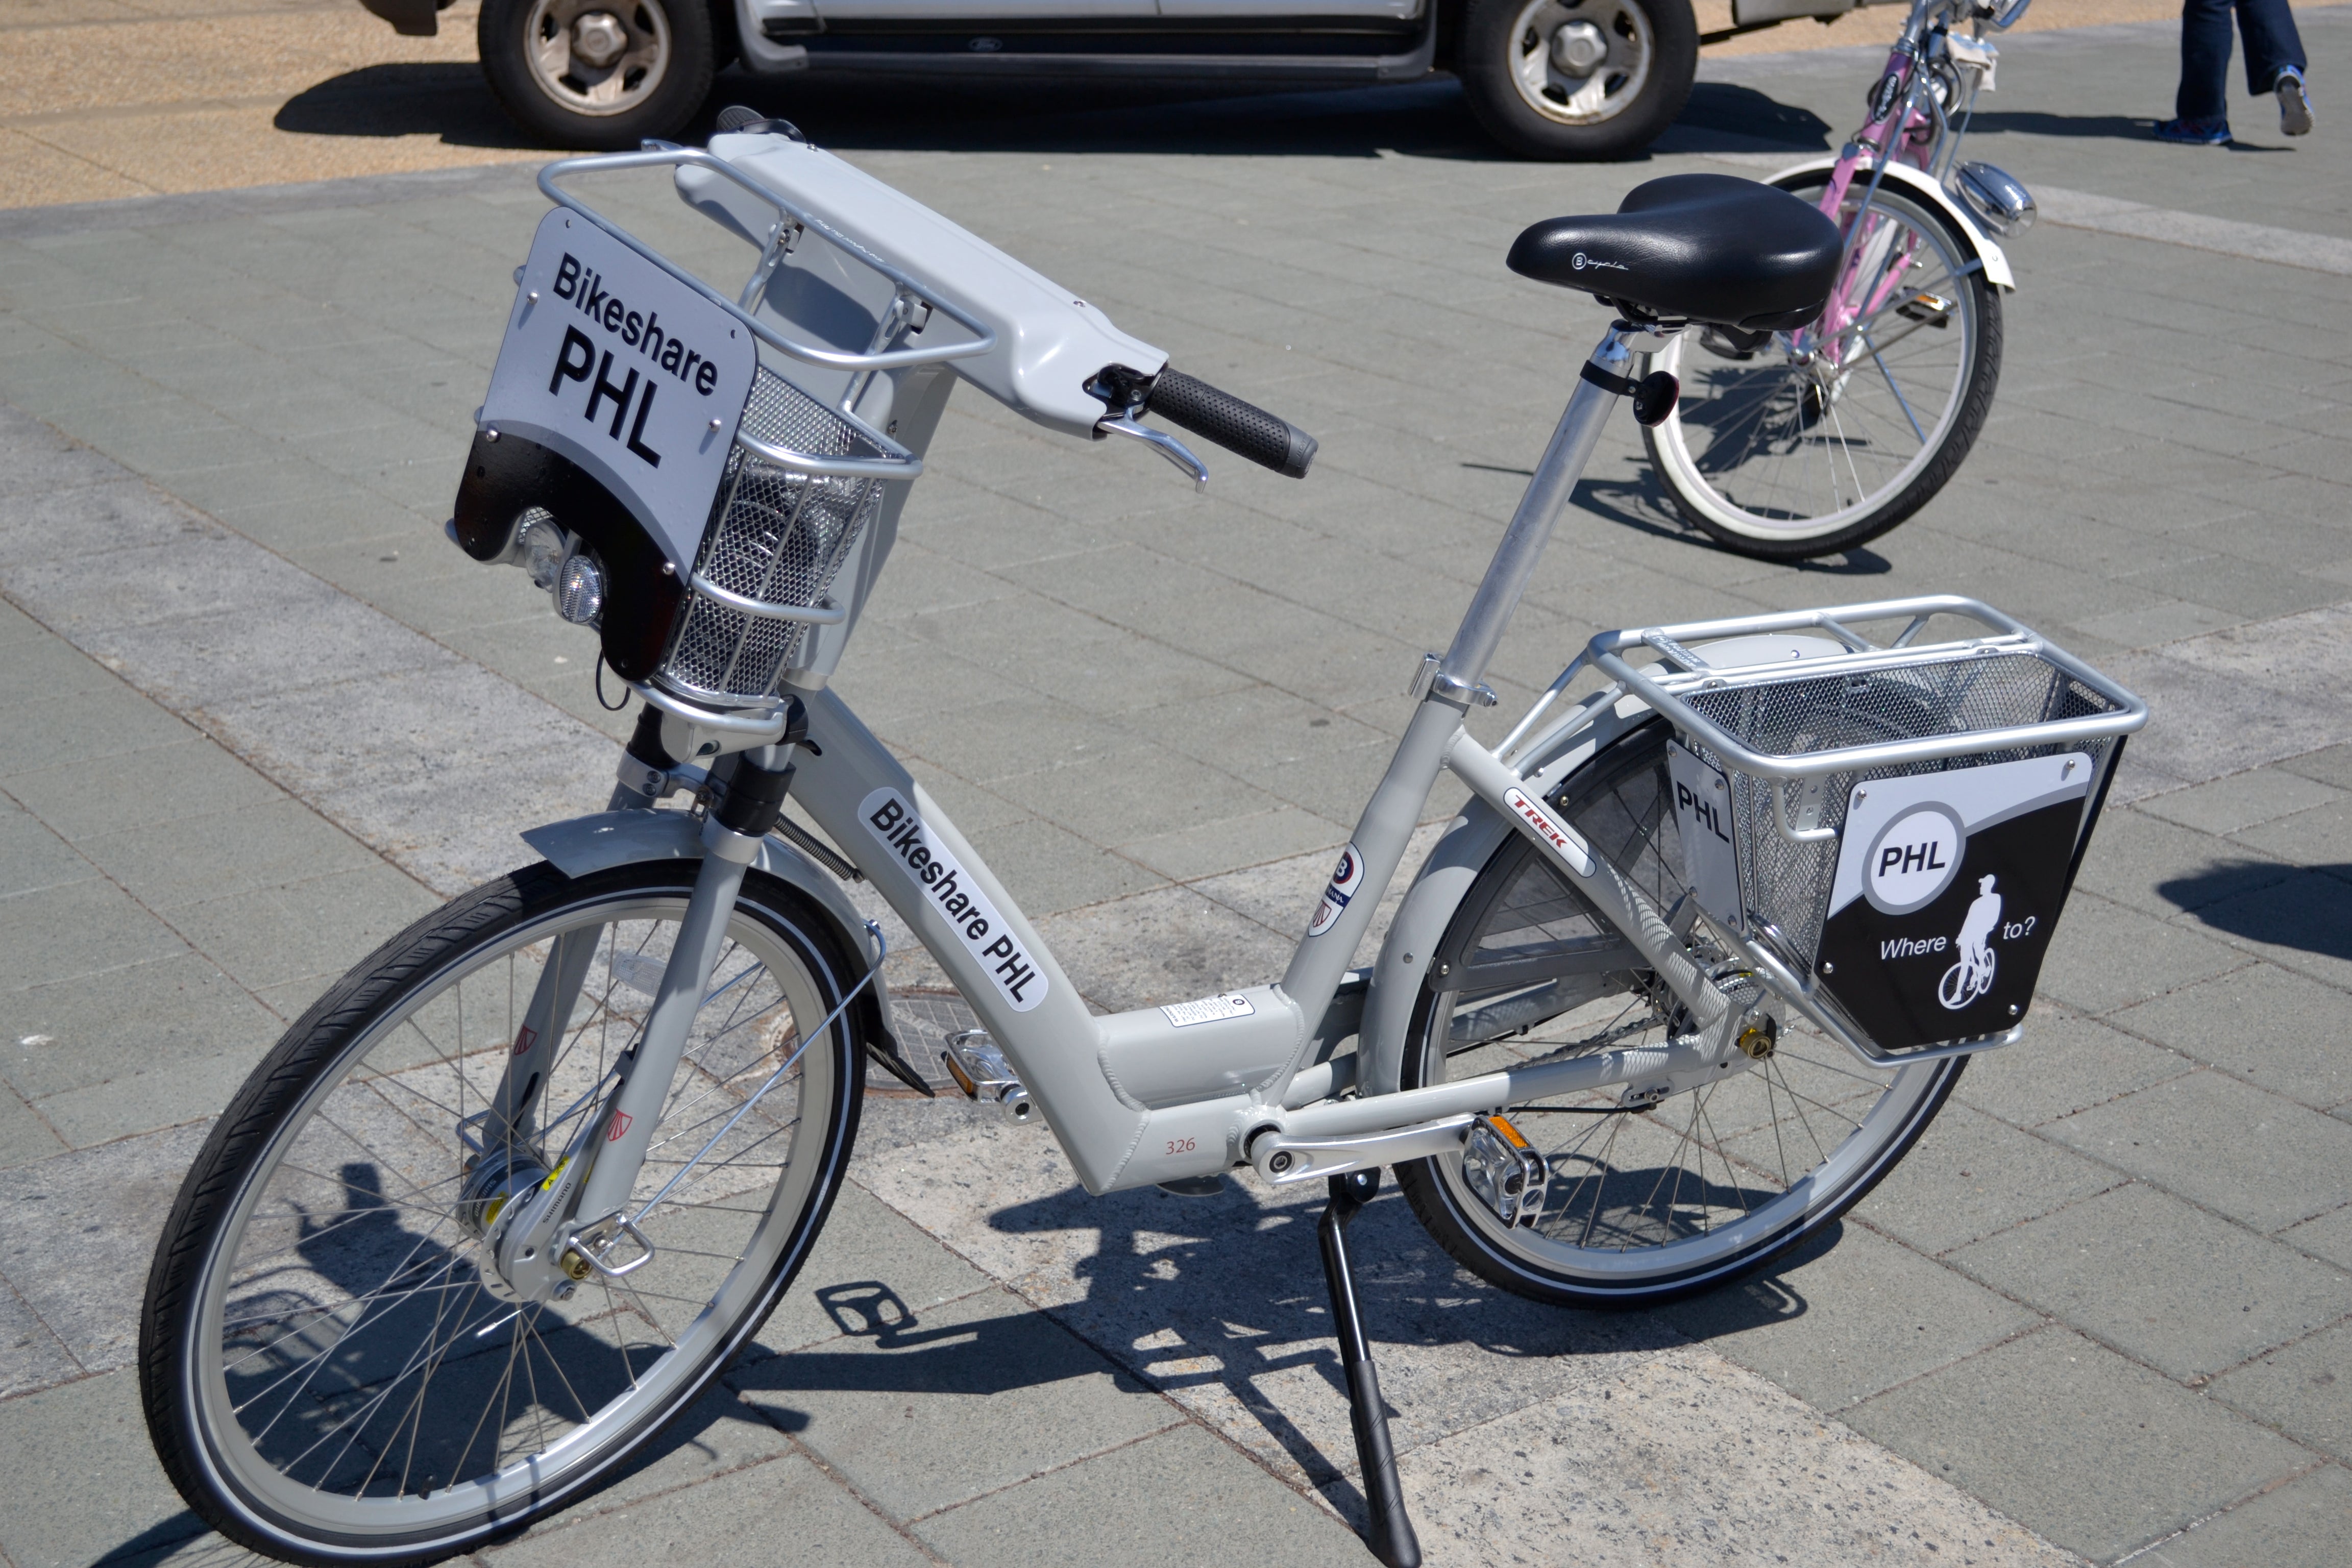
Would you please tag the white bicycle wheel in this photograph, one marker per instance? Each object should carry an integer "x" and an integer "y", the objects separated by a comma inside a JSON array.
[
  {"x": 1646, "y": 1203},
  {"x": 332, "y": 1370},
  {"x": 1796, "y": 445}
]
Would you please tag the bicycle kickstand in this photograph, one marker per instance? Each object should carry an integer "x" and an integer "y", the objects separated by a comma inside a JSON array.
[{"x": 1388, "y": 1531}]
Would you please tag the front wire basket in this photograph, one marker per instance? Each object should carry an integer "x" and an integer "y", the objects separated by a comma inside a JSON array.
[
  {"x": 802, "y": 486},
  {"x": 1799, "y": 745}
]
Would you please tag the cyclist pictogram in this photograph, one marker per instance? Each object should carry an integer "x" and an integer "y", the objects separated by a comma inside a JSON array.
[{"x": 1972, "y": 976}]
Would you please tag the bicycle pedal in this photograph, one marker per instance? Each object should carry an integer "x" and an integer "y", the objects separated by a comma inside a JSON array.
[
  {"x": 1932, "y": 308},
  {"x": 979, "y": 1070},
  {"x": 1504, "y": 1169}
]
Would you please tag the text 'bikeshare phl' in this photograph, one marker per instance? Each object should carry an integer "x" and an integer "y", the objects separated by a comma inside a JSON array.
[{"x": 663, "y": 352}]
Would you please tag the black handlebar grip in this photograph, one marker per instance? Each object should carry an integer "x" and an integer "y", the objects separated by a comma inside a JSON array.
[{"x": 1240, "y": 427}]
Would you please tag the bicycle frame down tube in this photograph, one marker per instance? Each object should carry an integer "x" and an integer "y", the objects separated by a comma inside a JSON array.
[{"x": 897, "y": 835}]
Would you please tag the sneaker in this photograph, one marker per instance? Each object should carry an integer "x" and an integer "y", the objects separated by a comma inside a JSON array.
[
  {"x": 2196, "y": 133},
  {"x": 2294, "y": 103}
]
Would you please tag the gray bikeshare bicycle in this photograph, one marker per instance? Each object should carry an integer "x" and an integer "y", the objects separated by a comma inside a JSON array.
[{"x": 1663, "y": 1002}]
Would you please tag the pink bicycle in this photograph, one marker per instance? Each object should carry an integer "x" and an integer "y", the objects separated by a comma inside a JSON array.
[{"x": 1790, "y": 445}]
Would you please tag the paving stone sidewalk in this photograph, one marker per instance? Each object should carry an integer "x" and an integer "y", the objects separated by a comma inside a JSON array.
[{"x": 2104, "y": 1301}]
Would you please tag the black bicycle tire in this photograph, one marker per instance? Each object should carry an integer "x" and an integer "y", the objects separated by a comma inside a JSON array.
[
  {"x": 1435, "y": 1203},
  {"x": 313, "y": 1046},
  {"x": 1976, "y": 407}
]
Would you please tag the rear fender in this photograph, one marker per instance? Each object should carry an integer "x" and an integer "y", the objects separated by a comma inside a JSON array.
[
  {"x": 1429, "y": 904},
  {"x": 1914, "y": 184}
]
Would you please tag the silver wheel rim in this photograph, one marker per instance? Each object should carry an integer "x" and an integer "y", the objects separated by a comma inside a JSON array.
[
  {"x": 490, "y": 1411},
  {"x": 1773, "y": 448},
  {"x": 1549, "y": 49},
  {"x": 598, "y": 58}
]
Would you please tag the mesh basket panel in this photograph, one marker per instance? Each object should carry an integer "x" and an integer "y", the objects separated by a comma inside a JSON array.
[
  {"x": 776, "y": 536},
  {"x": 1786, "y": 884}
]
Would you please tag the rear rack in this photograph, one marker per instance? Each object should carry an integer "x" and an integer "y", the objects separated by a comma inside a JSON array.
[{"x": 2004, "y": 737}]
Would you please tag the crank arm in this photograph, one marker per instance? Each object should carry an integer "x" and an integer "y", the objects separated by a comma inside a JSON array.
[{"x": 1283, "y": 1160}]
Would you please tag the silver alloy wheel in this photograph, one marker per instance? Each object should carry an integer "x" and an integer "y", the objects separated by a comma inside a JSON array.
[
  {"x": 1579, "y": 62},
  {"x": 354, "y": 1373},
  {"x": 598, "y": 57}
]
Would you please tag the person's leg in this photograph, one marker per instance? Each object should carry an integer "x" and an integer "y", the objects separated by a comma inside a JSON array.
[
  {"x": 2272, "y": 45},
  {"x": 2205, "y": 44}
]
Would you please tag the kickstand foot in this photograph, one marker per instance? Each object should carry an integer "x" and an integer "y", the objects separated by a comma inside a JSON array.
[{"x": 1389, "y": 1533}]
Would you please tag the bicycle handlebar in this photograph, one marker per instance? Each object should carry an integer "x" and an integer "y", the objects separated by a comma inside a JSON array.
[{"x": 1240, "y": 427}]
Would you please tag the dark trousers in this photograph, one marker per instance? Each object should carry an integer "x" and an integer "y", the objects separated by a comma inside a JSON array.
[{"x": 2272, "y": 46}]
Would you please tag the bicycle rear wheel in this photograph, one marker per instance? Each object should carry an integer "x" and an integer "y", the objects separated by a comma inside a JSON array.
[
  {"x": 1797, "y": 445},
  {"x": 331, "y": 1370},
  {"x": 1648, "y": 1203}
]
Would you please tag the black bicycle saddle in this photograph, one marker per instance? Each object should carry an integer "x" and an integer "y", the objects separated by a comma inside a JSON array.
[{"x": 1711, "y": 248}]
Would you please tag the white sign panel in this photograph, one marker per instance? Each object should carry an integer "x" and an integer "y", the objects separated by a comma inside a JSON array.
[
  {"x": 628, "y": 372},
  {"x": 1703, "y": 822}
]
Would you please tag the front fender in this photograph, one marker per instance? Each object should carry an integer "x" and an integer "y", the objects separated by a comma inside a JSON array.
[
  {"x": 585, "y": 844},
  {"x": 1914, "y": 182}
]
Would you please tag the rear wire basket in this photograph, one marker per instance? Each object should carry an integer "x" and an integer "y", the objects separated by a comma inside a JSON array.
[
  {"x": 777, "y": 537},
  {"x": 1786, "y": 884},
  {"x": 1799, "y": 743}
]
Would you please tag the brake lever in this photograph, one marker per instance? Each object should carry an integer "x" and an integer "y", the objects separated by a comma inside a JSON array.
[{"x": 1167, "y": 446}]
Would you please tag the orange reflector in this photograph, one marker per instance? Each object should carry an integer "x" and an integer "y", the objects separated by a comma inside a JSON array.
[{"x": 1511, "y": 1133}]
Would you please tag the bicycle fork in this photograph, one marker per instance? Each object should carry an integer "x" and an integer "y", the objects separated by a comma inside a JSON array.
[{"x": 547, "y": 1249}]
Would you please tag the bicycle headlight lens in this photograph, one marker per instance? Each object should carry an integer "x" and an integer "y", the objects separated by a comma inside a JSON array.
[
  {"x": 541, "y": 548},
  {"x": 580, "y": 588}
]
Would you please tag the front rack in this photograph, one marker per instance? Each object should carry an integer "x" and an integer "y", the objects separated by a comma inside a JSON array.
[
  {"x": 1795, "y": 736},
  {"x": 804, "y": 480}
]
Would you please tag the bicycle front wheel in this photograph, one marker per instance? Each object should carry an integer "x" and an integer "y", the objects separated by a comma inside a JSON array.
[
  {"x": 1806, "y": 442},
  {"x": 1649, "y": 1199},
  {"x": 333, "y": 1371}
]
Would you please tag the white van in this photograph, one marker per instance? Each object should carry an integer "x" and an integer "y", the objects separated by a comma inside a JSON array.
[{"x": 1548, "y": 78}]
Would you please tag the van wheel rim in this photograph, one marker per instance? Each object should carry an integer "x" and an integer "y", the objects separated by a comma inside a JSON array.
[
  {"x": 1580, "y": 62},
  {"x": 598, "y": 58}
]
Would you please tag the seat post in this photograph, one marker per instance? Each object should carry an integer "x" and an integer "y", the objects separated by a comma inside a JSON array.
[{"x": 1539, "y": 508}]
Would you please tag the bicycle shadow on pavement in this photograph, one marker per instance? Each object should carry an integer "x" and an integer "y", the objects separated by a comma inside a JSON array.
[
  {"x": 1221, "y": 1304},
  {"x": 1639, "y": 505},
  {"x": 2305, "y": 907}
]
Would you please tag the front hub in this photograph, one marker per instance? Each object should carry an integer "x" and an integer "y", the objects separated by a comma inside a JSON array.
[{"x": 497, "y": 1191}]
